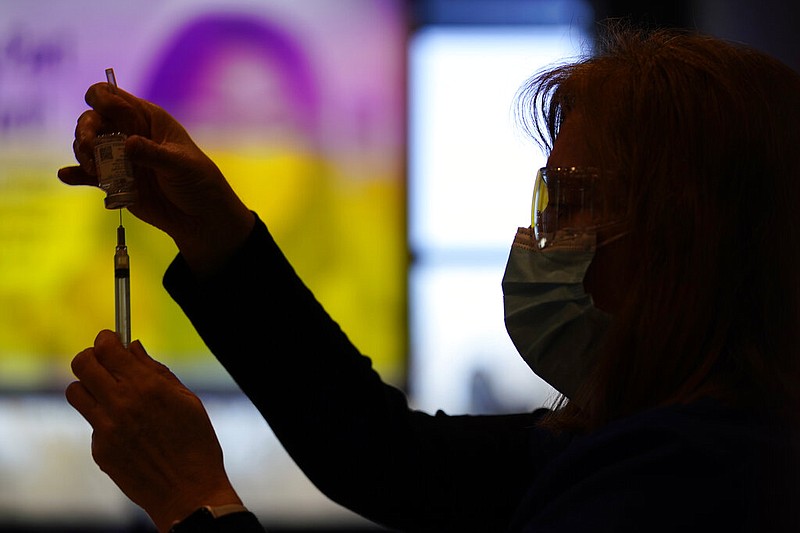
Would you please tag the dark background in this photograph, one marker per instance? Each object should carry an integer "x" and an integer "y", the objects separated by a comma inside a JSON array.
[{"x": 770, "y": 25}]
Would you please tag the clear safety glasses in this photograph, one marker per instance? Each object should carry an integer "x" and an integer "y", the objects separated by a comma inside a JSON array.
[{"x": 571, "y": 201}]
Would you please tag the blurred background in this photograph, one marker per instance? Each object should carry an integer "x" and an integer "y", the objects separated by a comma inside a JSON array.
[{"x": 376, "y": 139}]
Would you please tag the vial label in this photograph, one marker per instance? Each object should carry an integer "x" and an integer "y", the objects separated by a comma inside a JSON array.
[{"x": 114, "y": 170}]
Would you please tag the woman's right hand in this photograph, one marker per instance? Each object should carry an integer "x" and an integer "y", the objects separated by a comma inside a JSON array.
[
  {"x": 151, "y": 435},
  {"x": 181, "y": 191}
]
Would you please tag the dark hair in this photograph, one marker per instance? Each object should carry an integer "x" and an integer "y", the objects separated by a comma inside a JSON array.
[{"x": 705, "y": 134}]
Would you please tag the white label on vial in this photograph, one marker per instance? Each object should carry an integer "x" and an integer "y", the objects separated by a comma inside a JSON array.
[{"x": 113, "y": 168}]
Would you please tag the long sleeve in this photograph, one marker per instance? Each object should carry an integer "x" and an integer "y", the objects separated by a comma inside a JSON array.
[
  {"x": 354, "y": 436},
  {"x": 698, "y": 467}
]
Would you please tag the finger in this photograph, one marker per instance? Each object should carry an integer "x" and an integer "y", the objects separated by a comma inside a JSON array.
[
  {"x": 88, "y": 125},
  {"x": 121, "y": 108},
  {"x": 139, "y": 353},
  {"x": 79, "y": 397},
  {"x": 112, "y": 355},
  {"x": 127, "y": 363},
  {"x": 75, "y": 175},
  {"x": 148, "y": 363},
  {"x": 85, "y": 159},
  {"x": 154, "y": 156},
  {"x": 94, "y": 376},
  {"x": 101, "y": 94}
]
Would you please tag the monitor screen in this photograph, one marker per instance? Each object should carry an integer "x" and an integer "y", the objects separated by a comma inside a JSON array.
[{"x": 301, "y": 104}]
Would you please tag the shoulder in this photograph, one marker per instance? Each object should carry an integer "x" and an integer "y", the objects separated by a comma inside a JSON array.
[{"x": 695, "y": 467}]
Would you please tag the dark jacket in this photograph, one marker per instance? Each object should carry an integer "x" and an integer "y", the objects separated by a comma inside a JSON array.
[{"x": 700, "y": 467}]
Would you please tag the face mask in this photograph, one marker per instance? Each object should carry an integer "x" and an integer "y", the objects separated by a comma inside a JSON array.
[{"x": 551, "y": 320}]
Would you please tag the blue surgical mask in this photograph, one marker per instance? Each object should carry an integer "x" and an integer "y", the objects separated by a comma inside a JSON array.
[{"x": 550, "y": 318}]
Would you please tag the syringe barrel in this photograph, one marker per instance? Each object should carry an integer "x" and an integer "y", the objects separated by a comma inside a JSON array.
[
  {"x": 122, "y": 292},
  {"x": 122, "y": 304}
]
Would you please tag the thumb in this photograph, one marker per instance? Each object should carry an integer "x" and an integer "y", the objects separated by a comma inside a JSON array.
[
  {"x": 139, "y": 351},
  {"x": 142, "y": 356}
]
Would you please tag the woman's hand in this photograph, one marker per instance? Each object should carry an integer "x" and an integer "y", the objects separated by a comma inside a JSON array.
[
  {"x": 181, "y": 191},
  {"x": 151, "y": 435}
]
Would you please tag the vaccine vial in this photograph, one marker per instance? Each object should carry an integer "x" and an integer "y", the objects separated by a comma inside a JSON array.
[{"x": 114, "y": 170}]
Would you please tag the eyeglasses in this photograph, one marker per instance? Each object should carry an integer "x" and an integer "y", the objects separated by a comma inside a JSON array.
[{"x": 571, "y": 201}]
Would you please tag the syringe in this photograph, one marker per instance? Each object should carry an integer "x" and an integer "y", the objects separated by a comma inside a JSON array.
[{"x": 122, "y": 292}]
